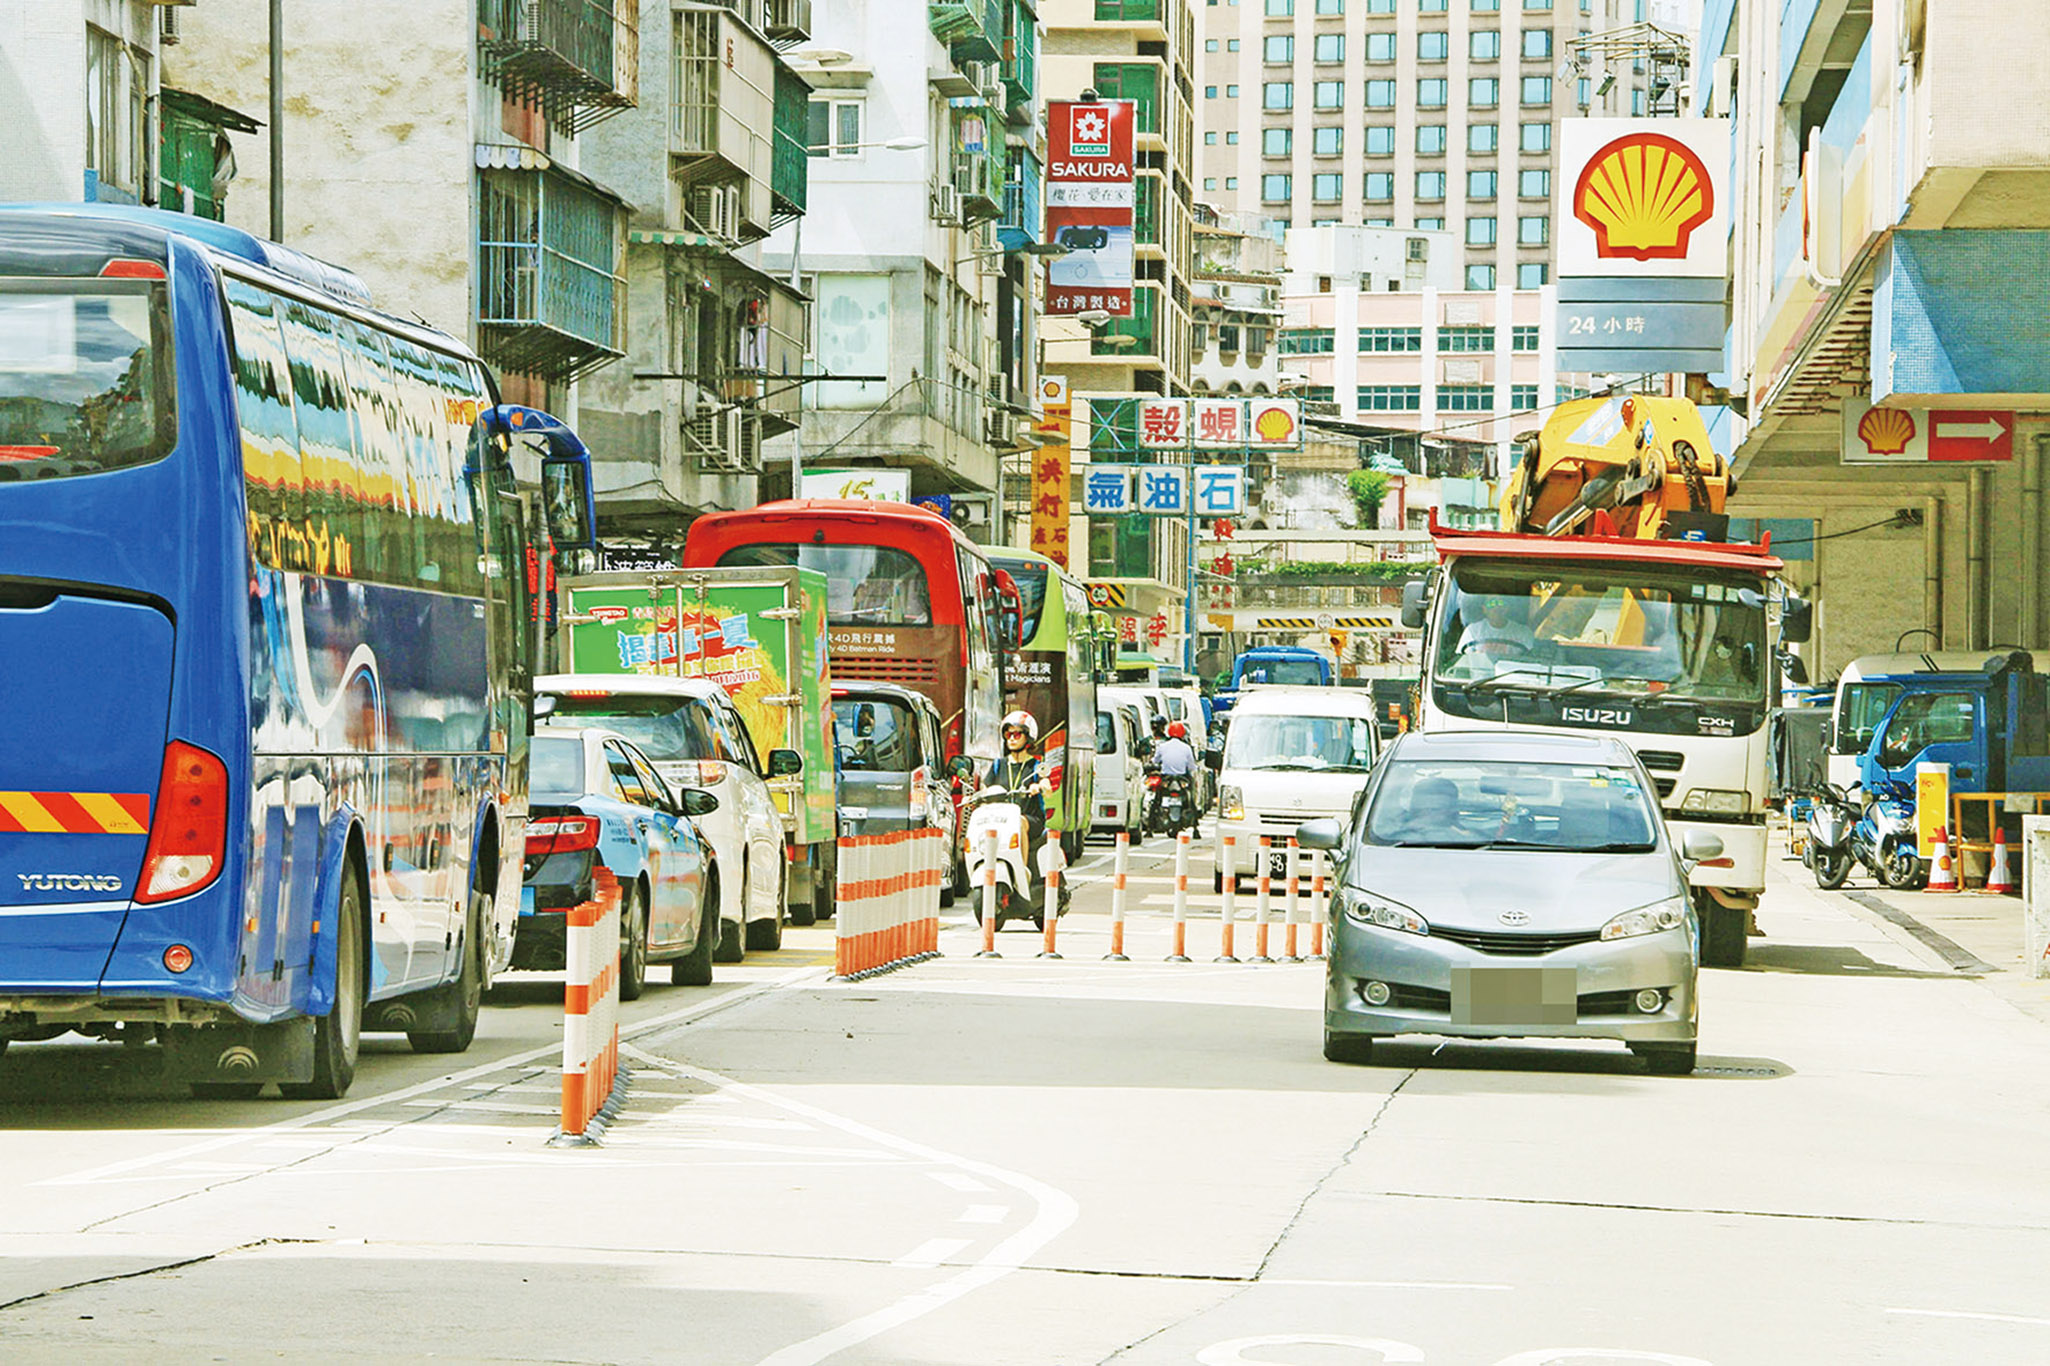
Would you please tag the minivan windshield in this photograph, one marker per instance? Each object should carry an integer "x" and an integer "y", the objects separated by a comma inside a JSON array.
[
  {"x": 1577, "y": 808},
  {"x": 1338, "y": 743}
]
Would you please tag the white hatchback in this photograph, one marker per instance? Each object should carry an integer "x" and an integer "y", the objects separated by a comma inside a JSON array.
[
  {"x": 696, "y": 738},
  {"x": 1291, "y": 755}
]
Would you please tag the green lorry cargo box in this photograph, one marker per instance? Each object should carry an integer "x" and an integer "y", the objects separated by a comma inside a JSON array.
[{"x": 759, "y": 633}]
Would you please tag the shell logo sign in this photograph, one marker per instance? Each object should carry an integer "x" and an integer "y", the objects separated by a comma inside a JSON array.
[
  {"x": 1273, "y": 422},
  {"x": 1886, "y": 431},
  {"x": 1644, "y": 195}
]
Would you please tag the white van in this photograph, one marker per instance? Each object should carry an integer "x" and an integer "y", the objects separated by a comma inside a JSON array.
[
  {"x": 1292, "y": 755},
  {"x": 1120, "y": 772}
]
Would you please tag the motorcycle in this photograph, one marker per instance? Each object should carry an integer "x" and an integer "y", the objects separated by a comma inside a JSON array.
[
  {"x": 1827, "y": 853},
  {"x": 1020, "y": 881},
  {"x": 1878, "y": 833},
  {"x": 1172, "y": 803}
]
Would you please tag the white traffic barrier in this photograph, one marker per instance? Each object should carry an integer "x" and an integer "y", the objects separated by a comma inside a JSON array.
[
  {"x": 1227, "y": 859},
  {"x": 1181, "y": 898},
  {"x": 886, "y": 910},
  {"x": 989, "y": 897},
  {"x": 1294, "y": 915},
  {"x": 2036, "y": 892},
  {"x": 590, "y": 1009},
  {"x": 1263, "y": 904},
  {"x": 1120, "y": 866},
  {"x": 1319, "y": 911}
]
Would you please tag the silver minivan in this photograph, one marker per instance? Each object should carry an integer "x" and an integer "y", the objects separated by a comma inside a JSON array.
[{"x": 1510, "y": 884}]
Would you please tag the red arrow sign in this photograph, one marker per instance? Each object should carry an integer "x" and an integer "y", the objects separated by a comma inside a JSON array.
[{"x": 1974, "y": 435}]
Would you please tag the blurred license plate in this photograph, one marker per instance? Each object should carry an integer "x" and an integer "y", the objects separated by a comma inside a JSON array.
[
  {"x": 1277, "y": 863},
  {"x": 1515, "y": 996}
]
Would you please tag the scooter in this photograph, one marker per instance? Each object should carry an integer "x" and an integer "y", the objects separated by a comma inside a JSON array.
[
  {"x": 1172, "y": 803},
  {"x": 1020, "y": 881},
  {"x": 1831, "y": 818},
  {"x": 1884, "y": 838}
]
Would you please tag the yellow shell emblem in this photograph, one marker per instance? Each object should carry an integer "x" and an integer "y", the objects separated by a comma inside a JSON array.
[
  {"x": 1886, "y": 431},
  {"x": 1274, "y": 424},
  {"x": 1644, "y": 195}
]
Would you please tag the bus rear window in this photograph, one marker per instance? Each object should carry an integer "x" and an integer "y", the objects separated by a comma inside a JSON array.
[
  {"x": 85, "y": 377},
  {"x": 866, "y": 585}
]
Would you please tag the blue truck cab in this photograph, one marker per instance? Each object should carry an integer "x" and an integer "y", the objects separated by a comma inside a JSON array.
[
  {"x": 1991, "y": 725},
  {"x": 1291, "y": 665}
]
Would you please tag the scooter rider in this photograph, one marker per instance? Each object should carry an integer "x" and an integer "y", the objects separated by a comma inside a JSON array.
[
  {"x": 1018, "y": 772},
  {"x": 1176, "y": 761}
]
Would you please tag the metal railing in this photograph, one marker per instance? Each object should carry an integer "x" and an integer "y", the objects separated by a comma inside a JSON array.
[
  {"x": 551, "y": 298},
  {"x": 578, "y": 61}
]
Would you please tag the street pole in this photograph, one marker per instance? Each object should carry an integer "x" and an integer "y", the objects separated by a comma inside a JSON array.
[
  {"x": 277, "y": 120},
  {"x": 1189, "y": 589}
]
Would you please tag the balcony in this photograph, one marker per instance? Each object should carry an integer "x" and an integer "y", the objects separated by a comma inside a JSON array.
[
  {"x": 1023, "y": 221},
  {"x": 1139, "y": 82},
  {"x": 1137, "y": 338},
  {"x": 1021, "y": 58},
  {"x": 576, "y": 61},
  {"x": 1148, "y": 16},
  {"x": 787, "y": 21},
  {"x": 550, "y": 251},
  {"x": 973, "y": 30},
  {"x": 789, "y": 163},
  {"x": 977, "y": 169},
  {"x": 732, "y": 113},
  {"x": 1148, "y": 191}
]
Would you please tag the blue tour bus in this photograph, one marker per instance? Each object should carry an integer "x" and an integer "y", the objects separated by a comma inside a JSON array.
[{"x": 264, "y": 656}]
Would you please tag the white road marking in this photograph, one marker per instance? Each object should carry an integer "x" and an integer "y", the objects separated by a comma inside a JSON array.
[
  {"x": 930, "y": 1253},
  {"x": 1970, "y": 1314},
  {"x": 1055, "y": 1211},
  {"x": 330, "y": 1113},
  {"x": 1388, "y": 1285},
  {"x": 984, "y": 1214},
  {"x": 958, "y": 1181},
  {"x": 497, "y": 1107},
  {"x": 1233, "y": 1352}
]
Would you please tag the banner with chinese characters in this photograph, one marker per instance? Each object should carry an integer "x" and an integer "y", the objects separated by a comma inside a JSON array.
[
  {"x": 1164, "y": 490},
  {"x": 1089, "y": 200},
  {"x": 1050, "y": 472},
  {"x": 1163, "y": 423}
]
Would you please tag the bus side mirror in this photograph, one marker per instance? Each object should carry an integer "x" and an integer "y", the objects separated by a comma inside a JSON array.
[
  {"x": 1413, "y": 604},
  {"x": 785, "y": 763},
  {"x": 1797, "y": 620}
]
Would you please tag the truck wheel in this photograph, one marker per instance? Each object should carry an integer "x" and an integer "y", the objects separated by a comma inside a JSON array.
[
  {"x": 800, "y": 911},
  {"x": 466, "y": 992},
  {"x": 823, "y": 890},
  {"x": 338, "y": 1036},
  {"x": 1723, "y": 937}
]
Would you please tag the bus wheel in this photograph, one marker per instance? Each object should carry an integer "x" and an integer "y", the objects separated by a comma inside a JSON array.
[
  {"x": 466, "y": 993},
  {"x": 337, "y": 1037}
]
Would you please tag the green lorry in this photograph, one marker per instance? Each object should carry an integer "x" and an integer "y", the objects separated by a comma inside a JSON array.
[{"x": 760, "y": 634}]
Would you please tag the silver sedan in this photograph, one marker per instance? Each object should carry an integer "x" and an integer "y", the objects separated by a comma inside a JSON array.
[{"x": 1511, "y": 884}]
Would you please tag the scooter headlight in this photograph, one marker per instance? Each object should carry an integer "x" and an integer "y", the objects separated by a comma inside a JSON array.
[{"x": 1669, "y": 914}]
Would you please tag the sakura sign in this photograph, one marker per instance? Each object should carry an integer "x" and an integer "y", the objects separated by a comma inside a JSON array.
[{"x": 1089, "y": 199}]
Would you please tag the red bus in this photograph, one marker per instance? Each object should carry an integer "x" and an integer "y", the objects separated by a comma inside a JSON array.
[{"x": 912, "y": 601}]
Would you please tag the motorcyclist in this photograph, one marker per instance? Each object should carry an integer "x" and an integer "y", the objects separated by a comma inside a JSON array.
[
  {"x": 1176, "y": 762},
  {"x": 1019, "y": 773}
]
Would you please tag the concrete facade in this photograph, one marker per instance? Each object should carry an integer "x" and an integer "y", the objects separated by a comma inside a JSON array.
[{"x": 57, "y": 58}]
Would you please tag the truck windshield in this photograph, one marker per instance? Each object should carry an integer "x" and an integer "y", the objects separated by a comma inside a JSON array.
[
  {"x": 85, "y": 378},
  {"x": 1610, "y": 628},
  {"x": 1864, "y": 705},
  {"x": 1301, "y": 742},
  {"x": 1300, "y": 672},
  {"x": 1925, "y": 719}
]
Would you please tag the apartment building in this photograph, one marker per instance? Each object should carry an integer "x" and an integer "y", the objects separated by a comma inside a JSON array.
[
  {"x": 923, "y": 198},
  {"x": 1891, "y": 198},
  {"x": 1430, "y": 114}
]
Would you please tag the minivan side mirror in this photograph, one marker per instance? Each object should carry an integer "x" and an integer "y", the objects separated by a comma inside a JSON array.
[
  {"x": 783, "y": 763},
  {"x": 1699, "y": 846},
  {"x": 1413, "y": 604},
  {"x": 1323, "y": 833},
  {"x": 698, "y": 802}
]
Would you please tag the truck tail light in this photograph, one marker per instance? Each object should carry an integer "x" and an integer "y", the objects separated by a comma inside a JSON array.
[
  {"x": 561, "y": 835},
  {"x": 188, "y": 833}
]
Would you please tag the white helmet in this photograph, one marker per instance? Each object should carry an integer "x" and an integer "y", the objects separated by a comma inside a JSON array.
[{"x": 1023, "y": 721}]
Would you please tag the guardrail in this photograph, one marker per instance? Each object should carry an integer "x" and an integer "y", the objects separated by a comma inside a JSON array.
[
  {"x": 887, "y": 911},
  {"x": 591, "y": 1079},
  {"x": 1999, "y": 808}
]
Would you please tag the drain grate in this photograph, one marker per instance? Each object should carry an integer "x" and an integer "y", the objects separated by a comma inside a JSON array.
[{"x": 1710, "y": 1070}]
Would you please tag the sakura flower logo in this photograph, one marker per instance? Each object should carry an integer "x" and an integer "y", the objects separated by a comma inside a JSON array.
[{"x": 1089, "y": 134}]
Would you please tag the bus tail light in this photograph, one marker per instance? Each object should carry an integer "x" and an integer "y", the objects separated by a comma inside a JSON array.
[
  {"x": 125, "y": 268},
  {"x": 188, "y": 834},
  {"x": 561, "y": 835}
]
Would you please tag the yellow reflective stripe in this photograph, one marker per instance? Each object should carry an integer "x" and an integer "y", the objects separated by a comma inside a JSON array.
[
  {"x": 102, "y": 807},
  {"x": 29, "y": 813}
]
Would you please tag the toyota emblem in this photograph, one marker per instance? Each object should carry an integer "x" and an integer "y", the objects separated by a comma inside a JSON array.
[{"x": 1514, "y": 917}]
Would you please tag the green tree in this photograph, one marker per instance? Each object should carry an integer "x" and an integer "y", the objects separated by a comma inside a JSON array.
[{"x": 1368, "y": 489}]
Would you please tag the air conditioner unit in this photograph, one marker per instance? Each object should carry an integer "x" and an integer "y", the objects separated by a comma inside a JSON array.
[
  {"x": 1722, "y": 95},
  {"x": 1419, "y": 248},
  {"x": 715, "y": 440},
  {"x": 167, "y": 26},
  {"x": 715, "y": 210},
  {"x": 788, "y": 19},
  {"x": 989, "y": 80},
  {"x": 946, "y": 203},
  {"x": 996, "y": 430}
]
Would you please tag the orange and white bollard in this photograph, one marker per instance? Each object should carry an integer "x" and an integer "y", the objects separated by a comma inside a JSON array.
[
  {"x": 590, "y": 1006},
  {"x": 989, "y": 898},
  {"x": 1263, "y": 905},
  {"x": 1050, "y": 903},
  {"x": 1317, "y": 911},
  {"x": 1942, "y": 877},
  {"x": 1290, "y": 952},
  {"x": 2000, "y": 878},
  {"x": 1119, "y": 865},
  {"x": 1227, "y": 862},
  {"x": 1181, "y": 898}
]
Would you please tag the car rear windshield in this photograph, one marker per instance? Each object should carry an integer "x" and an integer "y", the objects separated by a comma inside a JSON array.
[
  {"x": 875, "y": 735},
  {"x": 86, "y": 383},
  {"x": 557, "y": 767},
  {"x": 663, "y": 728},
  {"x": 1583, "y": 808}
]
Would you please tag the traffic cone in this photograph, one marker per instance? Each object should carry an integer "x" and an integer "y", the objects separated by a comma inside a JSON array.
[
  {"x": 1942, "y": 878},
  {"x": 2001, "y": 879}
]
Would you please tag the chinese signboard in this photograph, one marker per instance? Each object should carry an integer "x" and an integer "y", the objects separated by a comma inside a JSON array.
[
  {"x": 1164, "y": 490},
  {"x": 883, "y": 485},
  {"x": 1107, "y": 489},
  {"x": 1219, "y": 423},
  {"x": 1911, "y": 436},
  {"x": 1643, "y": 235},
  {"x": 1089, "y": 199},
  {"x": 1050, "y": 473},
  {"x": 1163, "y": 423},
  {"x": 1273, "y": 423}
]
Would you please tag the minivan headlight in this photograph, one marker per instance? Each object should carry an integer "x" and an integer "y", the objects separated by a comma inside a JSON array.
[
  {"x": 1669, "y": 914},
  {"x": 1368, "y": 909},
  {"x": 1232, "y": 803}
]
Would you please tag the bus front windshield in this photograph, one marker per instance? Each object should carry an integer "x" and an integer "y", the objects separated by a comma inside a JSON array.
[
  {"x": 1602, "y": 628},
  {"x": 866, "y": 585}
]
